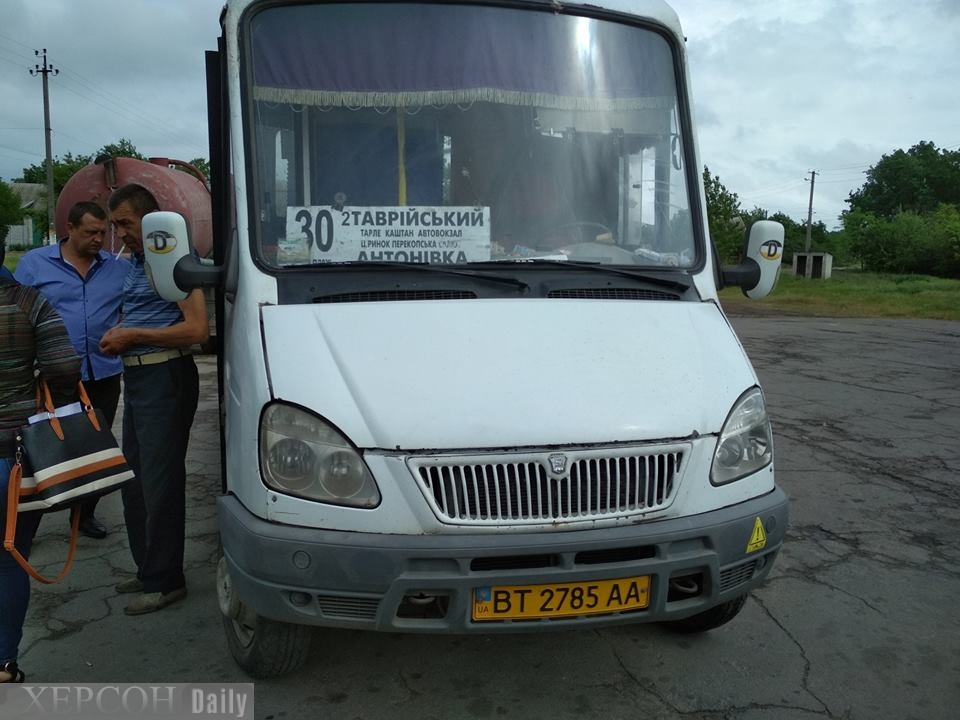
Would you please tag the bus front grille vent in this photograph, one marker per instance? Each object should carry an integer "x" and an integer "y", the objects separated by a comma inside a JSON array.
[{"x": 534, "y": 489}]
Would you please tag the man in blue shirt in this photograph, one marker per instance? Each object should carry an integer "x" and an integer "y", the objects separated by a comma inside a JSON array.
[
  {"x": 85, "y": 284},
  {"x": 161, "y": 390}
]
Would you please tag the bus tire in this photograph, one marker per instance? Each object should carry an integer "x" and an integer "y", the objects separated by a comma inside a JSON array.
[
  {"x": 709, "y": 619},
  {"x": 266, "y": 648}
]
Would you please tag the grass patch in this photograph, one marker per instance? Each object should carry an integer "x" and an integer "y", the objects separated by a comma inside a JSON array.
[
  {"x": 11, "y": 259},
  {"x": 850, "y": 293}
]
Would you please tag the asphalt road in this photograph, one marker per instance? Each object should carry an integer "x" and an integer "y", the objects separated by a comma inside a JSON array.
[{"x": 858, "y": 621}]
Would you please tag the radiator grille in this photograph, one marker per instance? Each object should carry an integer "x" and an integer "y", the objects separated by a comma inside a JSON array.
[{"x": 530, "y": 489}]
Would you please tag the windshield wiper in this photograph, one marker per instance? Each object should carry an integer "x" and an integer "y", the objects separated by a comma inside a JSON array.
[
  {"x": 639, "y": 275},
  {"x": 473, "y": 275}
]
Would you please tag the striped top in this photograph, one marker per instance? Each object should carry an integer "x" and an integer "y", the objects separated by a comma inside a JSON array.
[
  {"x": 31, "y": 335},
  {"x": 142, "y": 307}
]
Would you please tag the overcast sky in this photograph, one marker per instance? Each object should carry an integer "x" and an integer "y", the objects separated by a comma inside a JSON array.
[{"x": 781, "y": 87}]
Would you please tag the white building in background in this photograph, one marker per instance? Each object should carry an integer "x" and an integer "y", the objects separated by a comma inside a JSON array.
[{"x": 32, "y": 196}]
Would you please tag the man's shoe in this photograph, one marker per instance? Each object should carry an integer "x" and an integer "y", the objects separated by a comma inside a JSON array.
[
  {"x": 133, "y": 585},
  {"x": 92, "y": 528},
  {"x": 151, "y": 602}
]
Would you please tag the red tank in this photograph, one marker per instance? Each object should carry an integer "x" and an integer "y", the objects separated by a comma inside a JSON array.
[{"x": 176, "y": 190}]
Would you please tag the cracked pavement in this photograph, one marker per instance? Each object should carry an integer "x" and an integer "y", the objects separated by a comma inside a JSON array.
[{"x": 858, "y": 620}]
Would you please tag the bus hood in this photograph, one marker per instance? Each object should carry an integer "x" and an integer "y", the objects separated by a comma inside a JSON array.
[{"x": 505, "y": 373}]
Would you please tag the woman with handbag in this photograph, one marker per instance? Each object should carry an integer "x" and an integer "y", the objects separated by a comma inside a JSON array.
[{"x": 32, "y": 337}]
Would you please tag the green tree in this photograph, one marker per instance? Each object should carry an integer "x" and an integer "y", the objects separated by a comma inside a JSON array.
[
  {"x": 860, "y": 227},
  {"x": 122, "y": 148},
  {"x": 917, "y": 180},
  {"x": 910, "y": 242},
  {"x": 939, "y": 250},
  {"x": 757, "y": 213},
  {"x": 793, "y": 236},
  {"x": 896, "y": 247},
  {"x": 63, "y": 169},
  {"x": 203, "y": 166},
  {"x": 10, "y": 211},
  {"x": 723, "y": 216}
]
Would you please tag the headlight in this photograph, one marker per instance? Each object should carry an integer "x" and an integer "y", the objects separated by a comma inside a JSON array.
[
  {"x": 746, "y": 442},
  {"x": 302, "y": 455}
]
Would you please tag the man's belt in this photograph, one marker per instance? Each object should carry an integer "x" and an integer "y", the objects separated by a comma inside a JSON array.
[{"x": 154, "y": 358}]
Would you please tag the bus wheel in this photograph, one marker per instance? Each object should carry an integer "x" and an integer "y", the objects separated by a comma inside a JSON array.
[{"x": 264, "y": 648}]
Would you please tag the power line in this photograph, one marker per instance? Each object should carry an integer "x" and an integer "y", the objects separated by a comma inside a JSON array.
[
  {"x": 126, "y": 114},
  {"x": 23, "y": 152},
  {"x": 785, "y": 189},
  {"x": 17, "y": 62},
  {"x": 857, "y": 179},
  {"x": 15, "y": 42},
  {"x": 846, "y": 167},
  {"x": 88, "y": 85},
  {"x": 22, "y": 57},
  {"x": 118, "y": 105},
  {"x": 87, "y": 143}
]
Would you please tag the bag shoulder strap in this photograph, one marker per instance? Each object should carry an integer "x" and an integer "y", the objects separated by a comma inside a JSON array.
[{"x": 10, "y": 531}]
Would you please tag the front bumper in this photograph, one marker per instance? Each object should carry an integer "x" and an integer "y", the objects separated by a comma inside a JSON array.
[{"x": 383, "y": 582}]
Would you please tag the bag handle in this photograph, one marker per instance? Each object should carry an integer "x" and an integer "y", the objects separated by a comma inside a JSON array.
[
  {"x": 10, "y": 531},
  {"x": 51, "y": 410}
]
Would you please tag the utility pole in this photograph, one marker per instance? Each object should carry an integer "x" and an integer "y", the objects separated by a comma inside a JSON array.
[
  {"x": 806, "y": 245},
  {"x": 46, "y": 70}
]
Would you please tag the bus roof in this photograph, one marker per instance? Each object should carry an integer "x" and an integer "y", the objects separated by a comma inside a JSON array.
[{"x": 656, "y": 10}]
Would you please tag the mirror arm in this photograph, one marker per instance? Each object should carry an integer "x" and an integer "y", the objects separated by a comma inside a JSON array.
[
  {"x": 190, "y": 273},
  {"x": 746, "y": 275}
]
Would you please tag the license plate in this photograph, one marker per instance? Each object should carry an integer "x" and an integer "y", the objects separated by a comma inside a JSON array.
[{"x": 530, "y": 602}]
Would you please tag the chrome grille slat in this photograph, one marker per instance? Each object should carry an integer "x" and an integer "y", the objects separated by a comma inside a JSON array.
[
  {"x": 476, "y": 491},
  {"x": 526, "y": 486},
  {"x": 636, "y": 493},
  {"x": 654, "y": 463},
  {"x": 465, "y": 510},
  {"x": 549, "y": 487},
  {"x": 591, "y": 465},
  {"x": 521, "y": 488}
]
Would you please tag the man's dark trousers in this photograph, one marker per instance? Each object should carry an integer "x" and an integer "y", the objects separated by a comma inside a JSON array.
[{"x": 159, "y": 402}]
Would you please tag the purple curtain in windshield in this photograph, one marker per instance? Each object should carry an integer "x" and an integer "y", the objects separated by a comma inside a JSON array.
[{"x": 365, "y": 55}]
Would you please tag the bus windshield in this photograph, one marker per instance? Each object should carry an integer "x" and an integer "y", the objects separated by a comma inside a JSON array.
[{"x": 457, "y": 134}]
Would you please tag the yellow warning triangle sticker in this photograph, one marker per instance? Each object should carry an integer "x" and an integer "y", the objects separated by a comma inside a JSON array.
[{"x": 758, "y": 538}]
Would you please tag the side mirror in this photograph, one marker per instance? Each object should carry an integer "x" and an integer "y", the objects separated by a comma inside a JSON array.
[
  {"x": 172, "y": 266},
  {"x": 757, "y": 273},
  {"x": 165, "y": 241}
]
